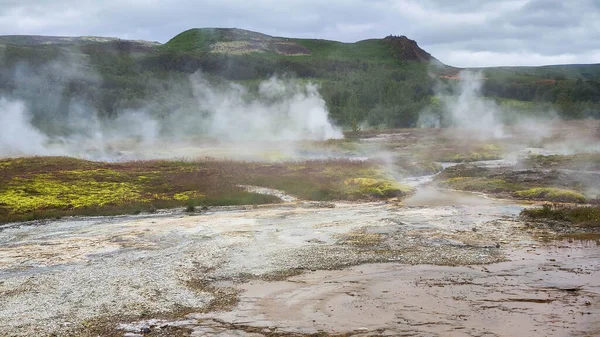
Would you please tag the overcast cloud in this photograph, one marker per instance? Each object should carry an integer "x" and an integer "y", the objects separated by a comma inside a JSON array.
[{"x": 469, "y": 33}]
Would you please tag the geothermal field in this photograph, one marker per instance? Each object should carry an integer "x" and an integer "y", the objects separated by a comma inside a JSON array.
[
  {"x": 231, "y": 183},
  {"x": 406, "y": 232}
]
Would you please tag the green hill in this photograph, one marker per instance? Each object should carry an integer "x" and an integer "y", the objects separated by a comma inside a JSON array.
[{"x": 235, "y": 41}]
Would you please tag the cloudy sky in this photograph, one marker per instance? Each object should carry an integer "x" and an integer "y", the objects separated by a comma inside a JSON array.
[{"x": 460, "y": 33}]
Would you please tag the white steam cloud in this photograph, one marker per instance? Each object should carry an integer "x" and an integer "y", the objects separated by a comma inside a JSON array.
[
  {"x": 283, "y": 110},
  {"x": 472, "y": 111},
  {"x": 464, "y": 107},
  {"x": 17, "y": 135},
  {"x": 280, "y": 111}
]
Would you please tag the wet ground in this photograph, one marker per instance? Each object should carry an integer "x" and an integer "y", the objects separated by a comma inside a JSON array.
[{"x": 441, "y": 263}]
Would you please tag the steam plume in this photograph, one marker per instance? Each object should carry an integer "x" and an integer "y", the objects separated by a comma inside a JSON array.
[{"x": 280, "y": 110}]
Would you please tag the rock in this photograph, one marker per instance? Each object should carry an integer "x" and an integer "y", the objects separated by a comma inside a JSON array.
[{"x": 145, "y": 330}]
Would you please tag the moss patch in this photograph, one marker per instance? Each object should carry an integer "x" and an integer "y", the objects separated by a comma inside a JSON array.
[
  {"x": 553, "y": 186},
  {"x": 43, "y": 191},
  {"x": 377, "y": 188},
  {"x": 463, "y": 153},
  {"x": 45, "y": 187},
  {"x": 552, "y": 194},
  {"x": 479, "y": 184}
]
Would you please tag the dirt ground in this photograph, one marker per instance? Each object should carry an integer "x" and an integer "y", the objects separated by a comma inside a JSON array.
[{"x": 440, "y": 263}]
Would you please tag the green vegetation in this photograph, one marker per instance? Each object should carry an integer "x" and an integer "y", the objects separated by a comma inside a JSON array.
[
  {"x": 378, "y": 188},
  {"x": 552, "y": 194},
  {"x": 45, "y": 187},
  {"x": 194, "y": 39},
  {"x": 372, "y": 51},
  {"x": 588, "y": 217},
  {"x": 378, "y": 82},
  {"x": 528, "y": 185},
  {"x": 470, "y": 154},
  {"x": 571, "y": 89},
  {"x": 589, "y": 161}
]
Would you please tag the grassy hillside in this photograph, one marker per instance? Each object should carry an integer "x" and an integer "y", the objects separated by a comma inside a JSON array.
[
  {"x": 238, "y": 41},
  {"x": 382, "y": 82},
  {"x": 552, "y": 72}
]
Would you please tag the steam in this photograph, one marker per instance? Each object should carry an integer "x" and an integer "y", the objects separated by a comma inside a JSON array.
[
  {"x": 464, "y": 107},
  {"x": 278, "y": 111},
  {"x": 282, "y": 110},
  {"x": 470, "y": 110},
  {"x": 18, "y": 136}
]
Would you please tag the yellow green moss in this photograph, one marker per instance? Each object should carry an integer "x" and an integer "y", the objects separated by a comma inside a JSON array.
[
  {"x": 479, "y": 184},
  {"x": 479, "y": 153},
  {"x": 77, "y": 187},
  {"x": 552, "y": 194},
  {"x": 188, "y": 195},
  {"x": 379, "y": 188},
  {"x": 42, "y": 191}
]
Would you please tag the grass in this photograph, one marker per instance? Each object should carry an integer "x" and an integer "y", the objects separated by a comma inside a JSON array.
[
  {"x": 378, "y": 51},
  {"x": 48, "y": 187},
  {"x": 588, "y": 216},
  {"x": 193, "y": 39},
  {"x": 373, "y": 50}
]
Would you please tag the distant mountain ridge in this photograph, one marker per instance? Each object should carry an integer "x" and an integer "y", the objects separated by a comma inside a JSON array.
[
  {"x": 235, "y": 41},
  {"x": 32, "y": 40}
]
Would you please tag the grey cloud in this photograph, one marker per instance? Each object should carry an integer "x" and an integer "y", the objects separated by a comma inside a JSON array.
[
  {"x": 548, "y": 14},
  {"x": 544, "y": 5}
]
